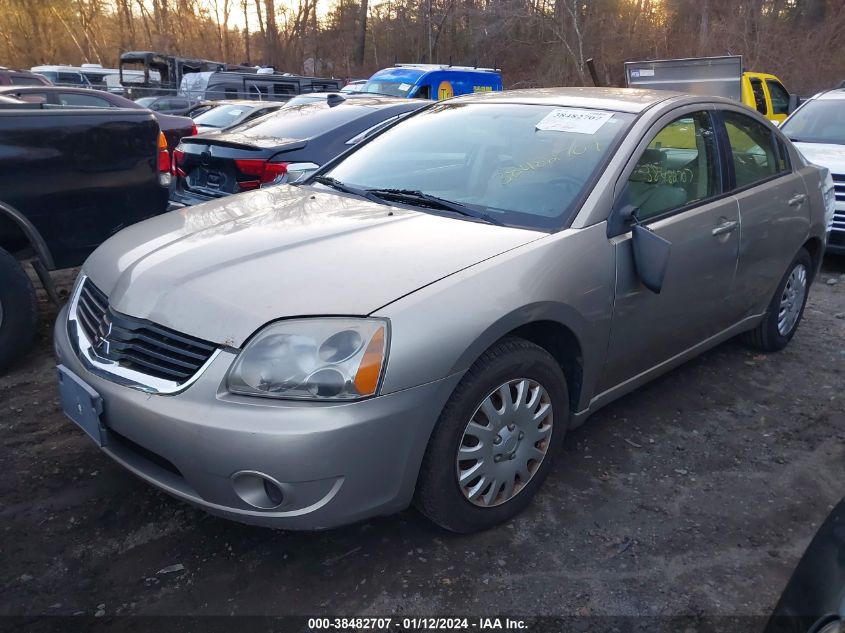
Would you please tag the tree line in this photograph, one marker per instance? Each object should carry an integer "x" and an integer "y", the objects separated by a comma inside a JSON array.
[{"x": 535, "y": 42}]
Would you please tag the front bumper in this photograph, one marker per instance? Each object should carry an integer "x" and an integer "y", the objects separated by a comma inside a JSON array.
[{"x": 336, "y": 463}]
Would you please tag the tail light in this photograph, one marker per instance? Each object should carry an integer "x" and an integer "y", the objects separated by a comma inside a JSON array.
[
  {"x": 193, "y": 129},
  {"x": 264, "y": 172},
  {"x": 164, "y": 177},
  {"x": 178, "y": 161}
]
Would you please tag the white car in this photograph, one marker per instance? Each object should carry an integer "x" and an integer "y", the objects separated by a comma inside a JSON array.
[{"x": 818, "y": 130}]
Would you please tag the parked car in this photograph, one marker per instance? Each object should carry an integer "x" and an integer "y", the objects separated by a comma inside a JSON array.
[
  {"x": 174, "y": 127},
  {"x": 69, "y": 179},
  {"x": 817, "y": 129},
  {"x": 261, "y": 85},
  {"x": 226, "y": 114},
  {"x": 814, "y": 599},
  {"x": 177, "y": 105},
  {"x": 432, "y": 81},
  {"x": 331, "y": 98},
  {"x": 15, "y": 77},
  {"x": 63, "y": 76},
  {"x": 718, "y": 76},
  {"x": 425, "y": 318},
  {"x": 284, "y": 146},
  {"x": 355, "y": 85}
]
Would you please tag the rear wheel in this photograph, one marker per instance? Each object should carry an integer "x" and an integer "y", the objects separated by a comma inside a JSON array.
[
  {"x": 496, "y": 438},
  {"x": 18, "y": 314},
  {"x": 779, "y": 325}
]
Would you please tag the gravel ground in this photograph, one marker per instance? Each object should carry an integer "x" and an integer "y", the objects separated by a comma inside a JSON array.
[{"x": 695, "y": 495}]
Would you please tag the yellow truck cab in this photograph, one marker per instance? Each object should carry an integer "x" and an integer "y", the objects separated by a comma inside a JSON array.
[
  {"x": 715, "y": 76},
  {"x": 766, "y": 94}
]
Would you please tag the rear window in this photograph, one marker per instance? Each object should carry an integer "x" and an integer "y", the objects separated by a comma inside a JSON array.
[
  {"x": 23, "y": 80},
  {"x": 305, "y": 121},
  {"x": 222, "y": 116}
]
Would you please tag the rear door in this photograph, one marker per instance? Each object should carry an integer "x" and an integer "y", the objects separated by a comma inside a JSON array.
[
  {"x": 676, "y": 182},
  {"x": 773, "y": 206}
]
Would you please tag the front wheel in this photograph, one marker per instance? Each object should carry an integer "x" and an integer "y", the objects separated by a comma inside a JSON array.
[
  {"x": 786, "y": 308},
  {"x": 496, "y": 438}
]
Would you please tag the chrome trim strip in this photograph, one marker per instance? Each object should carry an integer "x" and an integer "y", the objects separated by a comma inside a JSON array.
[{"x": 110, "y": 370}]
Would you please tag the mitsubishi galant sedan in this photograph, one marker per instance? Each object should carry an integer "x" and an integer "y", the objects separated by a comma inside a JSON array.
[{"x": 423, "y": 320}]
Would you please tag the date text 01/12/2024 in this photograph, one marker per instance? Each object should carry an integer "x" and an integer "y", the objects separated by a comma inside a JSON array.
[{"x": 416, "y": 624}]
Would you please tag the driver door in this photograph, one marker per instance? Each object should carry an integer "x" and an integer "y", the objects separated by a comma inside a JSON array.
[{"x": 675, "y": 181}]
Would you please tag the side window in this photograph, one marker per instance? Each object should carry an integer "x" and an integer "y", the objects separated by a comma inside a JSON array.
[
  {"x": 759, "y": 96},
  {"x": 679, "y": 167},
  {"x": 779, "y": 97},
  {"x": 231, "y": 93},
  {"x": 753, "y": 147},
  {"x": 783, "y": 157},
  {"x": 424, "y": 92},
  {"x": 69, "y": 99},
  {"x": 70, "y": 78}
]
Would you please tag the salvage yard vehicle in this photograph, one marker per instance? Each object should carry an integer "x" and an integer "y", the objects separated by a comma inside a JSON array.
[
  {"x": 15, "y": 77},
  {"x": 262, "y": 86},
  {"x": 226, "y": 114},
  {"x": 69, "y": 179},
  {"x": 424, "y": 319},
  {"x": 432, "y": 81},
  {"x": 282, "y": 147},
  {"x": 174, "y": 127},
  {"x": 817, "y": 129},
  {"x": 715, "y": 76}
]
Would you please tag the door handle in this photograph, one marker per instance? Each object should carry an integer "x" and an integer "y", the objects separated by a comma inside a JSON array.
[
  {"x": 728, "y": 226},
  {"x": 797, "y": 200}
]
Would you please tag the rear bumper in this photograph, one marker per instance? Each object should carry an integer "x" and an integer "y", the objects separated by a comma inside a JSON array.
[
  {"x": 180, "y": 198},
  {"x": 335, "y": 463}
]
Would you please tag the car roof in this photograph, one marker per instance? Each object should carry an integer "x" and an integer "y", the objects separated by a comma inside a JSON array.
[
  {"x": 633, "y": 100},
  {"x": 837, "y": 94}
]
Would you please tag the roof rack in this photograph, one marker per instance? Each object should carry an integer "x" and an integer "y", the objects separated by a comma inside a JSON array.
[{"x": 446, "y": 67}]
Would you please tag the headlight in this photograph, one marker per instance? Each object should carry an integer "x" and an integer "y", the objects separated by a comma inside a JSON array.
[
  {"x": 829, "y": 194},
  {"x": 313, "y": 359}
]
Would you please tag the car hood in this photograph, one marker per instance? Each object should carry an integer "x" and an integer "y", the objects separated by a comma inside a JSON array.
[
  {"x": 827, "y": 155},
  {"x": 222, "y": 269}
]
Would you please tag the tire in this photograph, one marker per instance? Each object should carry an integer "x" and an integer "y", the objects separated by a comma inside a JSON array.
[
  {"x": 771, "y": 335},
  {"x": 439, "y": 494},
  {"x": 18, "y": 313}
]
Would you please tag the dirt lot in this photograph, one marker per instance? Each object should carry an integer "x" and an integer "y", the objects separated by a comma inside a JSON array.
[{"x": 695, "y": 495}]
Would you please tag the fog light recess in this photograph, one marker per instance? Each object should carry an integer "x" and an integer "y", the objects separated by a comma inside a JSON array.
[{"x": 258, "y": 490}]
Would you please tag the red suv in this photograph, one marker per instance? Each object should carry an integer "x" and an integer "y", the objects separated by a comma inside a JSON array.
[{"x": 15, "y": 77}]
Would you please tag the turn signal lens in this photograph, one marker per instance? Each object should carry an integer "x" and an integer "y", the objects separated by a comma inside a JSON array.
[{"x": 369, "y": 371}]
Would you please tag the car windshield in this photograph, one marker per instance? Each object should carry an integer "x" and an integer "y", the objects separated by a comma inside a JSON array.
[
  {"x": 818, "y": 121},
  {"x": 389, "y": 88},
  {"x": 145, "y": 101},
  {"x": 222, "y": 116},
  {"x": 521, "y": 165}
]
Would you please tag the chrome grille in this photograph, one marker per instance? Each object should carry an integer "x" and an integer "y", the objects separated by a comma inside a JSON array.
[
  {"x": 839, "y": 211},
  {"x": 138, "y": 344}
]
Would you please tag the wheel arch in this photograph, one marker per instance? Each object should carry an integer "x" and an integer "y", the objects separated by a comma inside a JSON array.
[
  {"x": 16, "y": 225},
  {"x": 815, "y": 248},
  {"x": 558, "y": 329}
]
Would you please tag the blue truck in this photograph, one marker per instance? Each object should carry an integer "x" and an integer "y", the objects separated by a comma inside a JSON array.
[{"x": 432, "y": 81}]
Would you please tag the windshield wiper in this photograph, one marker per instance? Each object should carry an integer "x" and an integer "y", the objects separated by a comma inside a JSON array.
[
  {"x": 334, "y": 183},
  {"x": 416, "y": 197}
]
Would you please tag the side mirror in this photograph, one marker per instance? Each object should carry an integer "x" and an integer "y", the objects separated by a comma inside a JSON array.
[
  {"x": 794, "y": 102},
  {"x": 651, "y": 256}
]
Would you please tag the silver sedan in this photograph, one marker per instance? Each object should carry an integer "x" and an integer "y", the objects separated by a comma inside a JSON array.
[{"x": 423, "y": 320}]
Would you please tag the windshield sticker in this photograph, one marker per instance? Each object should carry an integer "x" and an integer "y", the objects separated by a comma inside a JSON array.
[
  {"x": 404, "y": 87},
  {"x": 574, "y": 120},
  {"x": 235, "y": 112}
]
